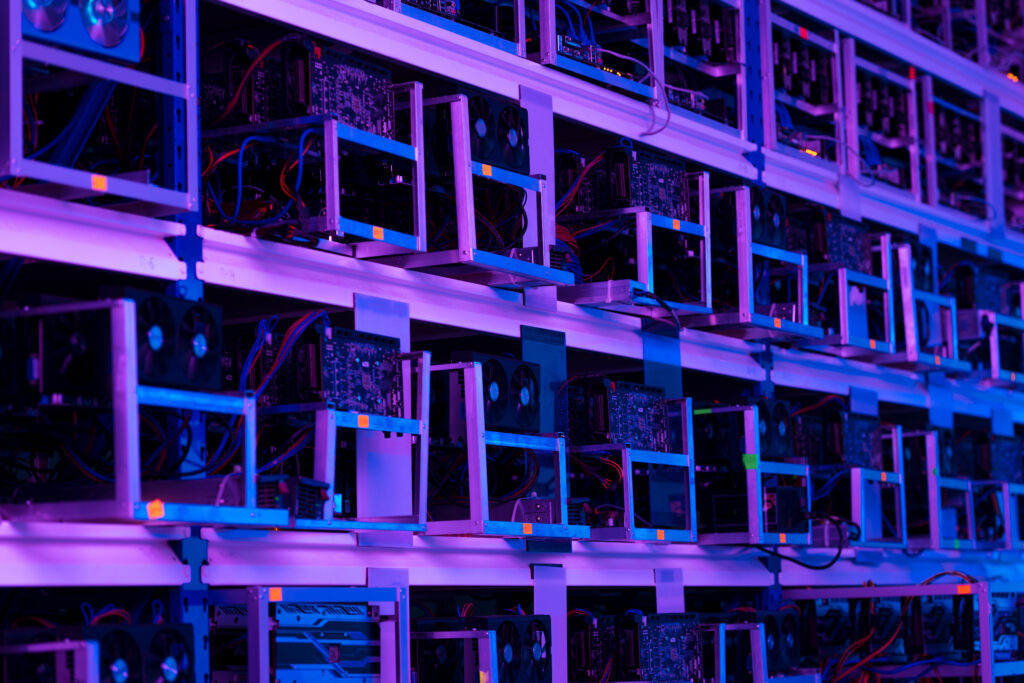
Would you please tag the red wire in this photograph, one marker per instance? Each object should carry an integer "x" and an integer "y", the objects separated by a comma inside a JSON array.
[{"x": 245, "y": 77}]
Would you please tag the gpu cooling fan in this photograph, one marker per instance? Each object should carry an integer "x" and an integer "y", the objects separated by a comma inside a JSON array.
[
  {"x": 439, "y": 661},
  {"x": 510, "y": 652},
  {"x": 524, "y": 395},
  {"x": 106, "y": 21},
  {"x": 45, "y": 15},
  {"x": 198, "y": 344},
  {"x": 155, "y": 325},
  {"x": 495, "y": 391},
  {"x": 538, "y": 655},
  {"x": 513, "y": 137},
  {"x": 481, "y": 128},
  {"x": 168, "y": 660},
  {"x": 120, "y": 658}
]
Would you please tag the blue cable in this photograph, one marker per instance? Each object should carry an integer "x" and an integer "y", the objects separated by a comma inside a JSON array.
[
  {"x": 568, "y": 19},
  {"x": 302, "y": 443},
  {"x": 828, "y": 486}
]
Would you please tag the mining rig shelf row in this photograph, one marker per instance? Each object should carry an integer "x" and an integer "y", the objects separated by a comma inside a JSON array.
[{"x": 523, "y": 341}]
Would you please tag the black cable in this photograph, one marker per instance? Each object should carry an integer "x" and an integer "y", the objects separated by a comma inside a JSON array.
[{"x": 839, "y": 550}]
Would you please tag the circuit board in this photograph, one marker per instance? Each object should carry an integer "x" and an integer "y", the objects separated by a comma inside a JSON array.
[
  {"x": 838, "y": 437},
  {"x": 1005, "y": 459},
  {"x": 603, "y": 411},
  {"x": 591, "y": 646},
  {"x": 654, "y": 182},
  {"x": 362, "y": 372},
  {"x": 355, "y": 371},
  {"x": 355, "y": 92},
  {"x": 670, "y": 648}
]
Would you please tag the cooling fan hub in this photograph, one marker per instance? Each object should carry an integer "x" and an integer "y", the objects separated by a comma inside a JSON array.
[
  {"x": 200, "y": 346},
  {"x": 170, "y": 669},
  {"x": 493, "y": 391},
  {"x": 524, "y": 395},
  {"x": 106, "y": 21},
  {"x": 481, "y": 127},
  {"x": 538, "y": 651},
  {"x": 155, "y": 337},
  {"x": 513, "y": 137},
  {"x": 45, "y": 15},
  {"x": 507, "y": 653},
  {"x": 119, "y": 672}
]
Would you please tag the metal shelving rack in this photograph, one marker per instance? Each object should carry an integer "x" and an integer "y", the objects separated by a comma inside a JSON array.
[{"x": 43, "y": 554}]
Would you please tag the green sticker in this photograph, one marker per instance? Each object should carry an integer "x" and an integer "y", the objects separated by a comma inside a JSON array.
[
  {"x": 750, "y": 461},
  {"x": 956, "y": 544},
  {"x": 702, "y": 411}
]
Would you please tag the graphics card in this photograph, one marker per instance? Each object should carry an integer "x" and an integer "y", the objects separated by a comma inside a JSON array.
[
  {"x": 355, "y": 371},
  {"x": 606, "y": 411},
  {"x": 108, "y": 28},
  {"x": 511, "y": 392},
  {"x": 523, "y": 645},
  {"x": 499, "y": 134},
  {"x": 128, "y": 653}
]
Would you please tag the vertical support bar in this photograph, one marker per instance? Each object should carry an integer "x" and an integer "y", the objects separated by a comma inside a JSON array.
[
  {"x": 844, "y": 305},
  {"x": 419, "y": 173},
  {"x": 465, "y": 207},
  {"x": 542, "y": 162},
  {"x": 858, "y": 511},
  {"x": 125, "y": 381},
  {"x": 992, "y": 161},
  {"x": 249, "y": 451},
  {"x": 930, "y": 163},
  {"x": 848, "y": 59},
  {"x": 562, "y": 477},
  {"x": 704, "y": 218},
  {"x": 995, "y": 361},
  {"x": 985, "y": 632},
  {"x": 805, "y": 301},
  {"x": 629, "y": 509},
  {"x": 767, "y": 80},
  {"x": 915, "y": 148},
  {"x": 383, "y": 462},
  {"x": 332, "y": 202},
  {"x": 669, "y": 593},
  {"x": 839, "y": 97},
  {"x": 981, "y": 26},
  {"x": 656, "y": 45},
  {"x": 476, "y": 449},
  {"x": 258, "y": 622},
  {"x": 750, "y": 35},
  {"x": 324, "y": 453},
  {"x": 744, "y": 255},
  {"x": 11, "y": 122},
  {"x": 519, "y": 16},
  {"x": 550, "y": 597},
  {"x": 752, "y": 451},
  {"x": 423, "y": 438},
  {"x": 691, "y": 464},
  {"x": 645, "y": 250},
  {"x": 759, "y": 662},
  {"x": 934, "y": 492},
  {"x": 395, "y": 660},
  {"x": 548, "y": 32}
]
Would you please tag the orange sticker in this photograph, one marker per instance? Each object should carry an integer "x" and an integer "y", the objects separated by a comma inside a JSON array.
[
  {"x": 661, "y": 534},
  {"x": 675, "y": 223},
  {"x": 487, "y": 170},
  {"x": 527, "y": 529},
  {"x": 778, "y": 323},
  {"x": 275, "y": 594},
  {"x": 963, "y": 589},
  {"x": 912, "y": 73},
  {"x": 884, "y": 475},
  {"x": 378, "y": 232},
  {"x": 363, "y": 421},
  {"x": 871, "y": 343},
  {"x": 99, "y": 182},
  {"x": 782, "y": 538},
  {"x": 938, "y": 359},
  {"x": 803, "y": 33},
  {"x": 155, "y": 509}
]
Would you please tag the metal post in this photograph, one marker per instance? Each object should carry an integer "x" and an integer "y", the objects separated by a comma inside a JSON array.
[
  {"x": 125, "y": 382},
  {"x": 325, "y": 448},
  {"x": 550, "y": 597},
  {"x": 258, "y": 624}
]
